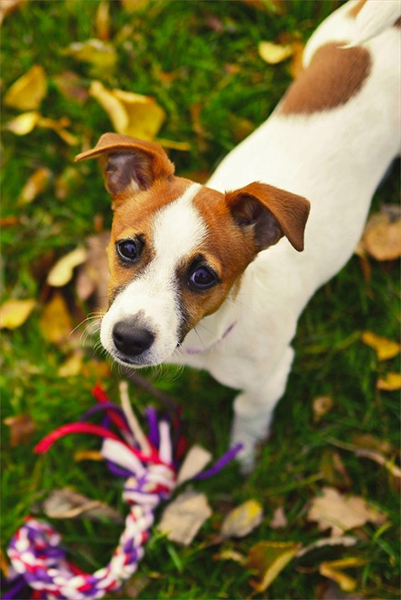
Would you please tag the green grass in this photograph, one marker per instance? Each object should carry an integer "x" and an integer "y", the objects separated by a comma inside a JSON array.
[{"x": 330, "y": 357}]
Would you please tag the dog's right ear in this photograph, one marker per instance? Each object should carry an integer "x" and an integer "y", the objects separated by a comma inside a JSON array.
[{"x": 129, "y": 165}]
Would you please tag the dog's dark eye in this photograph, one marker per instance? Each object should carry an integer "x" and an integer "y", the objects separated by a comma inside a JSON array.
[
  {"x": 202, "y": 278},
  {"x": 127, "y": 250}
]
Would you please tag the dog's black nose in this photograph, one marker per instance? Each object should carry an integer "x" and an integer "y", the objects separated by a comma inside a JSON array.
[{"x": 132, "y": 339}]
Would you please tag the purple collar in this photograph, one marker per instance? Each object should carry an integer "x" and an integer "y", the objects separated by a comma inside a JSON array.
[{"x": 193, "y": 351}]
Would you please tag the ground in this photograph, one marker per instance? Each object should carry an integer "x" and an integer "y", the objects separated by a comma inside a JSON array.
[{"x": 200, "y": 61}]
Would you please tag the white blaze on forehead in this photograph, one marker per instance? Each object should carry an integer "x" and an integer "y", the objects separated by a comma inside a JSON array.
[{"x": 178, "y": 229}]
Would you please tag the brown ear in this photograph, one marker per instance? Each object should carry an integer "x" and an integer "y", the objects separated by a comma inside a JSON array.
[
  {"x": 129, "y": 163},
  {"x": 270, "y": 213}
]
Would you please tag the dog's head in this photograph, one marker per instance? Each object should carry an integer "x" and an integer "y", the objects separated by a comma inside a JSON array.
[{"x": 177, "y": 248}]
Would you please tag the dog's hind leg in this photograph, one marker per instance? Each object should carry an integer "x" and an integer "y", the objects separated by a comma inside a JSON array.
[{"x": 253, "y": 409}]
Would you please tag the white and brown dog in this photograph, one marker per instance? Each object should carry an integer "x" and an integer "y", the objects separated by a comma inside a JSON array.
[{"x": 197, "y": 274}]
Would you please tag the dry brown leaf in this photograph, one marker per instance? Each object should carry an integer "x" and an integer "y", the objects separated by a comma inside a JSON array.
[
  {"x": 390, "y": 382},
  {"x": 382, "y": 235},
  {"x": 35, "y": 185},
  {"x": 268, "y": 559},
  {"x": 102, "y": 56},
  {"x": 55, "y": 322},
  {"x": 72, "y": 366},
  {"x": 184, "y": 516},
  {"x": 23, "y": 124},
  {"x": 13, "y": 313},
  {"x": 341, "y": 513},
  {"x": 321, "y": 406},
  {"x": 131, "y": 114},
  {"x": 21, "y": 429},
  {"x": 7, "y": 6},
  {"x": 88, "y": 455},
  {"x": 28, "y": 91},
  {"x": 242, "y": 519},
  {"x": 102, "y": 21},
  {"x": 63, "y": 270},
  {"x": 384, "y": 347},
  {"x": 71, "y": 86},
  {"x": 195, "y": 461},
  {"x": 275, "y": 53},
  {"x": 66, "y": 504},
  {"x": 279, "y": 519}
]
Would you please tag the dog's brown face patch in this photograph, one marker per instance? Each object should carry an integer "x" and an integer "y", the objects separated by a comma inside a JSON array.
[
  {"x": 334, "y": 76},
  {"x": 354, "y": 10}
]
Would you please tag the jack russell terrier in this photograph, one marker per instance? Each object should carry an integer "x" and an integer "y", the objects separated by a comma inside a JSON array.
[{"x": 185, "y": 256}]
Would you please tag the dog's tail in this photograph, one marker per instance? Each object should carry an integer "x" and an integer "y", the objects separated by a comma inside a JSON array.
[{"x": 374, "y": 17}]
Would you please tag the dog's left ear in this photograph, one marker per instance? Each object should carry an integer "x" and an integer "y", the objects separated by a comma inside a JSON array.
[{"x": 269, "y": 213}]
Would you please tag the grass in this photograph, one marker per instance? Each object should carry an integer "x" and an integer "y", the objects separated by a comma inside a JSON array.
[{"x": 179, "y": 37}]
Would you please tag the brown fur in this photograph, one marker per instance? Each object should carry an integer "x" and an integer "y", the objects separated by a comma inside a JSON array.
[
  {"x": 354, "y": 11},
  {"x": 333, "y": 77}
]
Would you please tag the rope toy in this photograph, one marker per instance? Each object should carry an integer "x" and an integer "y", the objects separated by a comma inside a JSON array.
[{"x": 148, "y": 463}]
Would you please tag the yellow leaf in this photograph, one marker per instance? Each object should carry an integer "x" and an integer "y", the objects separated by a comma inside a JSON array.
[
  {"x": 346, "y": 583},
  {"x": 72, "y": 366},
  {"x": 28, "y": 91},
  {"x": 24, "y": 123},
  {"x": 13, "y": 313},
  {"x": 55, "y": 322},
  {"x": 321, "y": 406},
  {"x": 102, "y": 20},
  {"x": 172, "y": 145},
  {"x": 101, "y": 55},
  {"x": 274, "y": 53},
  {"x": 88, "y": 455},
  {"x": 131, "y": 114},
  {"x": 59, "y": 127},
  {"x": 34, "y": 186},
  {"x": 268, "y": 559},
  {"x": 384, "y": 347},
  {"x": 63, "y": 270},
  {"x": 391, "y": 382},
  {"x": 133, "y": 5},
  {"x": 242, "y": 520}
]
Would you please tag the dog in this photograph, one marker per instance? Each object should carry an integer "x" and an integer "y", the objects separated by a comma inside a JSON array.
[{"x": 216, "y": 276}]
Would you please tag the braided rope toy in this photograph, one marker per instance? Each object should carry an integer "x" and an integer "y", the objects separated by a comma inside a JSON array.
[{"x": 150, "y": 466}]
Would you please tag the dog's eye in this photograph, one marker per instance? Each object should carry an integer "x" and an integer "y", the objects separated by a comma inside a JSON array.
[
  {"x": 127, "y": 250},
  {"x": 202, "y": 278}
]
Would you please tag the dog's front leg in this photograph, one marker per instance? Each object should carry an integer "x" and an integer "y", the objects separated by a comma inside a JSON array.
[{"x": 253, "y": 410}]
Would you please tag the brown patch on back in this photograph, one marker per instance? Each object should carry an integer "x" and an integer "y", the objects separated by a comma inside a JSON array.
[
  {"x": 132, "y": 218},
  {"x": 333, "y": 77},
  {"x": 354, "y": 11},
  {"x": 398, "y": 22}
]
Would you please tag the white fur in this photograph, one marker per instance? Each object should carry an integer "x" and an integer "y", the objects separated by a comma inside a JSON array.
[
  {"x": 336, "y": 159},
  {"x": 176, "y": 231}
]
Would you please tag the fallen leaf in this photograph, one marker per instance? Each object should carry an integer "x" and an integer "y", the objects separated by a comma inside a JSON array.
[
  {"x": 382, "y": 235},
  {"x": 381, "y": 460},
  {"x": 88, "y": 455},
  {"x": 66, "y": 504},
  {"x": 28, "y": 91},
  {"x": 7, "y": 6},
  {"x": 102, "y": 56},
  {"x": 102, "y": 21},
  {"x": 72, "y": 366},
  {"x": 268, "y": 559},
  {"x": 66, "y": 182},
  {"x": 384, "y": 347},
  {"x": 23, "y": 124},
  {"x": 332, "y": 570},
  {"x": 13, "y": 313},
  {"x": 371, "y": 442},
  {"x": 131, "y": 114},
  {"x": 274, "y": 53},
  {"x": 321, "y": 406},
  {"x": 55, "y": 322},
  {"x": 134, "y": 586},
  {"x": 390, "y": 382},
  {"x": 230, "y": 554},
  {"x": 131, "y": 6},
  {"x": 63, "y": 270},
  {"x": 341, "y": 513},
  {"x": 279, "y": 519},
  {"x": 184, "y": 516},
  {"x": 173, "y": 145},
  {"x": 296, "y": 65},
  {"x": 242, "y": 519},
  {"x": 59, "y": 127},
  {"x": 97, "y": 370},
  {"x": 345, "y": 540},
  {"x": 35, "y": 185},
  {"x": 71, "y": 86},
  {"x": 21, "y": 429},
  {"x": 333, "y": 470}
]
